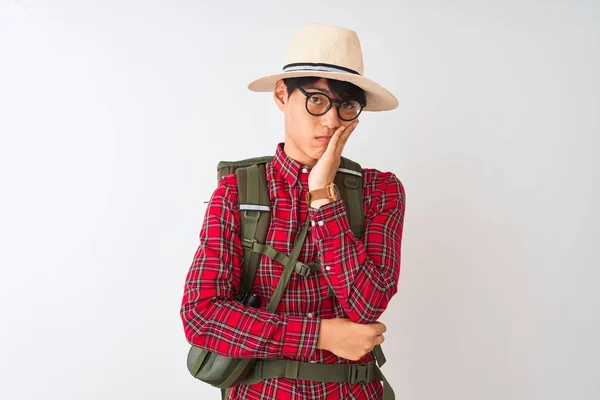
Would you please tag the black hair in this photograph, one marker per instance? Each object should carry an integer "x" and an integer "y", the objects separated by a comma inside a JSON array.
[{"x": 344, "y": 90}]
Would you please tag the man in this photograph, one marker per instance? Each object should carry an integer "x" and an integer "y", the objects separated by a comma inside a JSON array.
[{"x": 330, "y": 316}]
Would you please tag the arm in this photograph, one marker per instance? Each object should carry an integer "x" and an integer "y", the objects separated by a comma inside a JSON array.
[
  {"x": 365, "y": 276},
  {"x": 212, "y": 319}
]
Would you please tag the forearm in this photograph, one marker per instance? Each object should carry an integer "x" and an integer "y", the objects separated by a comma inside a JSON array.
[
  {"x": 231, "y": 329},
  {"x": 362, "y": 287},
  {"x": 364, "y": 277}
]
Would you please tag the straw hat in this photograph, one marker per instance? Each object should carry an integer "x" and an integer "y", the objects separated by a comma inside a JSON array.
[{"x": 329, "y": 52}]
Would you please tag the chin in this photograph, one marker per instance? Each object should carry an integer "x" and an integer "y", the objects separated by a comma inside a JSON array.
[{"x": 317, "y": 153}]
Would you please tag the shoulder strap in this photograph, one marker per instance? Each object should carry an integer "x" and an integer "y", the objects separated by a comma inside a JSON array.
[
  {"x": 349, "y": 181},
  {"x": 255, "y": 216},
  {"x": 230, "y": 167}
]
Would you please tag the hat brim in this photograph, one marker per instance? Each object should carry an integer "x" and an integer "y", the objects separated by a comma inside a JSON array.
[{"x": 378, "y": 98}]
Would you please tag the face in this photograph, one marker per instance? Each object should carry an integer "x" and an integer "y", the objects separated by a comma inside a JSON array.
[{"x": 306, "y": 135}]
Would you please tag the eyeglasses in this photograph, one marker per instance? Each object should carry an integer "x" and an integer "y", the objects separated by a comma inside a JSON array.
[{"x": 319, "y": 103}]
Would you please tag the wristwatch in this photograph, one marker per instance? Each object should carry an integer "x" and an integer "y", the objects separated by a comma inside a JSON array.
[{"x": 330, "y": 192}]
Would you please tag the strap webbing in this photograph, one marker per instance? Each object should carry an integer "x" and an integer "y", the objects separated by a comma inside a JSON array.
[
  {"x": 287, "y": 271},
  {"x": 355, "y": 204},
  {"x": 388, "y": 392},
  {"x": 379, "y": 356},
  {"x": 349, "y": 181},
  {"x": 292, "y": 369},
  {"x": 275, "y": 255},
  {"x": 225, "y": 393},
  {"x": 252, "y": 190}
]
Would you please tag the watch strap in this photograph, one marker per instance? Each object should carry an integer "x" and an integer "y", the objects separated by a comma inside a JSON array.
[{"x": 328, "y": 192}]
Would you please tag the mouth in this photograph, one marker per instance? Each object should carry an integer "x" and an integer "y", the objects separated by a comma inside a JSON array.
[{"x": 324, "y": 139}]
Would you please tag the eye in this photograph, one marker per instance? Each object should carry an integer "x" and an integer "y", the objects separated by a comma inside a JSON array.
[
  {"x": 349, "y": 105},
  {"x": 316, "y": 100}
]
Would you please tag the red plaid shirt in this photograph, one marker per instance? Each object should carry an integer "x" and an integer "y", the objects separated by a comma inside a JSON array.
[{"x": 363, "y": 274}]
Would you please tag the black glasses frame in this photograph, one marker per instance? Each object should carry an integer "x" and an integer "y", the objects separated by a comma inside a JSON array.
[{"x": 331, "y": 102}]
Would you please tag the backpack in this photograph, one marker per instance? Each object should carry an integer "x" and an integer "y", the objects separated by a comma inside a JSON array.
[{"x": 254, "y": 207}]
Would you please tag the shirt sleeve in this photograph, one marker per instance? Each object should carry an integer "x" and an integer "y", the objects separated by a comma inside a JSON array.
[
  {"x": 212, "y": 318},
  {"x": 364, "y": 275}
]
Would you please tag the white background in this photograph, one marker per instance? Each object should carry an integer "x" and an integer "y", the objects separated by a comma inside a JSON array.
[{"x": 114, "y": 114}]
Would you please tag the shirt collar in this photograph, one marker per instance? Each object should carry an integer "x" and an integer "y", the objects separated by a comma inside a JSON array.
[{"x": 289, "y": 168}]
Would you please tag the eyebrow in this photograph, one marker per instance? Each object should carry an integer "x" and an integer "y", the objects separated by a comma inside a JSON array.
[{"x": 322, "y": 90}]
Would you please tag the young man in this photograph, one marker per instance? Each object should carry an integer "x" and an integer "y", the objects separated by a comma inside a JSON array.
[{"x": 329, "y": 316}]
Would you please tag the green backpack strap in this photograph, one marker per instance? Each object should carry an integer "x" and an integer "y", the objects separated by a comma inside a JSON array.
[
  {"x": 225, "y": 393},
  {"x": 255, "y": 216},
  {"x": 229, "y": 167},
  {"x": 316, "y": 372},
  {"x": 349, "y": 181}
]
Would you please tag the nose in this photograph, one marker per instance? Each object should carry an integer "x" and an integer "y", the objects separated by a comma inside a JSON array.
[{"x": 331, "y": 119}]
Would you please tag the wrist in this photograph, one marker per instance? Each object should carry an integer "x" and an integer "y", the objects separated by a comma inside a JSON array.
[
  {"x": 315, "y": 186},
  {"x": 323, "y": 332},
  {"x": 319, "y": 203},
  {"x": 324, "y": 195}
]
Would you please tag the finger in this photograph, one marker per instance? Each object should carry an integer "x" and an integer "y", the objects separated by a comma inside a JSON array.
[
  {"x": 340, "y": 132},
  {"x": 335, "y": 139},
  {"x": 377, "y": 340},
  {"x": 341, "y": 137},
  {"x": 347, "y": 132},
  {"x": 352, "y": 126},
  {"x": 379, "y": 328},
  {"x": 350, "y": 129}
]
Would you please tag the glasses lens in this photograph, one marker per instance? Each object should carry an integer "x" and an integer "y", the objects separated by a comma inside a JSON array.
[
  {"x": 317, "y": 104},
  {"x": 350, "y": 109}
]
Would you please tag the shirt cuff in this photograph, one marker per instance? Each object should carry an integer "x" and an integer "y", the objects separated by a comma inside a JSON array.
[
  {"x": 300, "y": 337},
  {"x": 329, "y": 220}
]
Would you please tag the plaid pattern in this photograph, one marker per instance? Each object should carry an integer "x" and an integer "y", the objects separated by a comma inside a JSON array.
[{"x": 364, "y": 276}]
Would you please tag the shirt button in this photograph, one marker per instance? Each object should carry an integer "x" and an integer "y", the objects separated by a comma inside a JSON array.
[
  {"x": 320, "y": 223},
  {"x": 309, "y": 315},
  {"x": 312, "y": 223},
  {"x": 328, "y": 268},
  {"x": 304, "y": 170}
]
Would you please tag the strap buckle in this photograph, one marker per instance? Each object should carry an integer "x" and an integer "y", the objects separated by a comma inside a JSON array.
[
  {"x": 252, "y": 214},
  {"x": 361, "y": 373},
  {"x": 302, "y": 269},
  {"x": 248, "y": 243}
]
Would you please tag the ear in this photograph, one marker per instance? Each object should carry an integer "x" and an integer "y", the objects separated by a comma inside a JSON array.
[{"x": 280, "y": 95}]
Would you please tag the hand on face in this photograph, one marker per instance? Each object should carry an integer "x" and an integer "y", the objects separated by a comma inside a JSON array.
[{"x": 323, "y": 173}]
